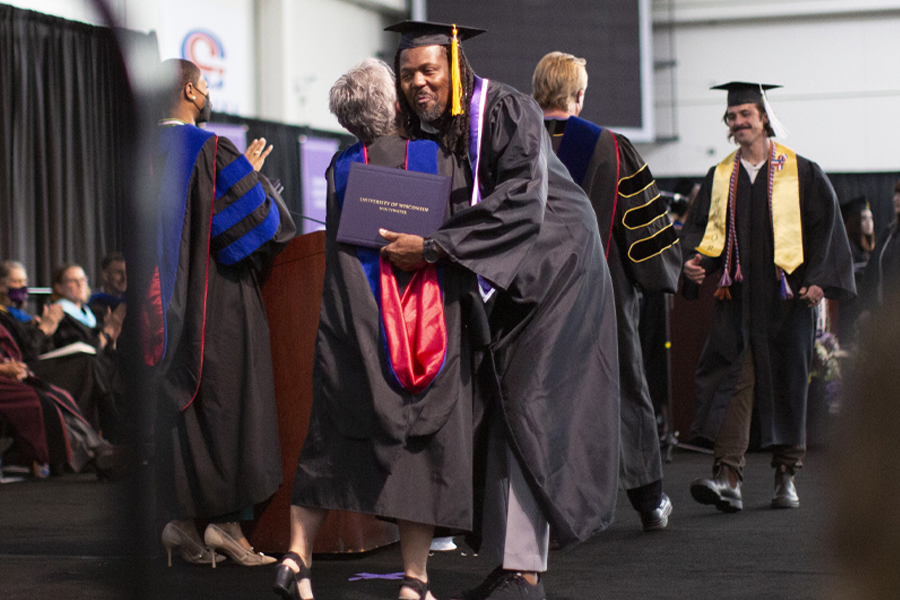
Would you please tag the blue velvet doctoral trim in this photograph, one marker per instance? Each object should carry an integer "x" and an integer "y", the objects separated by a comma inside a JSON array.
[
  {"x": 181, "y": 145},
  {"x": 20, "y": 315},
  {"x": 248, "y": 243},
  {"x": 239, "y": 210},
  {"x": 577, "y": 146},
  {"x": 106, "y": 299},
  {"x": 421, "y": 156},
  {"x": 231, "y": 174}
]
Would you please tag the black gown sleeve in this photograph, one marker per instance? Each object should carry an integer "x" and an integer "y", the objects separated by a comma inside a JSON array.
[
  {"x": 492, "y": 237},
  {"x": 649, "y": 245},
  {"x": 692, "y": 234},
  {"x": 827, "y": 259}
]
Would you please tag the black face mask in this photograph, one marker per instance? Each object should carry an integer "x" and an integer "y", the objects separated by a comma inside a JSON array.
[{"x": 206, "y": 111}]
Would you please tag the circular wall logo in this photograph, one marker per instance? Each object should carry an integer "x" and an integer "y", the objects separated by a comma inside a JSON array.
[{"x": 204, "y": 49}]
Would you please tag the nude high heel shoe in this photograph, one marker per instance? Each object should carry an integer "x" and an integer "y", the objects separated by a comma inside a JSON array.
[
  {"x": 217, "y": 539},
  {"x": 176, "y": 537}
]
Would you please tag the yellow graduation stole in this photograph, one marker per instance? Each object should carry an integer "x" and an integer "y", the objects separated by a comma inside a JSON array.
[{"x": 784, "y": 207}]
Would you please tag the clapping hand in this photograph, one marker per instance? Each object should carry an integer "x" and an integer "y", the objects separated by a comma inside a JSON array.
[{"x": 257, "y": 152}]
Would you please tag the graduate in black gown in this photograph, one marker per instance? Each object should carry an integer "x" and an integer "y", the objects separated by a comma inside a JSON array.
[
  {"x": 860, "y": 226},
  {"x": 766, "y": 222},
  {"x": 881, "y": 278},
  {"x": 203, "y": 331},
  {"x": 548, "y": 378},
  {"x": 641, "y": 250}
]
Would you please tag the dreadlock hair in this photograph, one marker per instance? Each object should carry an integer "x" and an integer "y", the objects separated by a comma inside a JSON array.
[{"x": 455, "y": 138}]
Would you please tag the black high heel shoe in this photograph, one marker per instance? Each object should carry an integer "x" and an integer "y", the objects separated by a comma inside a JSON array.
[
  {"x": 417, "y": 585},
  {"x": 287, "y": 582}
]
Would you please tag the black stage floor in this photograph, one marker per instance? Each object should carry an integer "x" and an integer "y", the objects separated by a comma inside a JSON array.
[{"x": 61, "y": 538}]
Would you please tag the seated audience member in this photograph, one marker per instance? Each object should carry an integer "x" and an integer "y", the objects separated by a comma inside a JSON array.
[
  {"x": 86, "y": 377},
  {"x": 47, "y": 421},
  {"x": 36, "y": 422},
  {"x": 115, "y": 283},
  {"x": 32, "y": 334},
  {"x": 71, "y": 292}
]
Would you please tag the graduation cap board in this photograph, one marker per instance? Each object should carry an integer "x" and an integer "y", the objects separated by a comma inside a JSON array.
[
  {"x": 415, "y": 34},
  {"x": 743, "y": 92}
]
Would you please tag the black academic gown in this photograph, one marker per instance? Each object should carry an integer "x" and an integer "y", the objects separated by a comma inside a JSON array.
[
  {"x": 372, "y": 447},
  {"x": 218, "y": 433},
  {"x": 779, "y": 333},
  {"x": 89, "y": 378},
  {"x": 849, "y": 310},
  {"x": 642, "y": 254},
  {"x": 70, "y": 331},
  {"x": 881, "y": 279},
  {"x": 29, "y": 338},
  {"x": 38, "y": 424},
  {"x": 552, "y": 360}
]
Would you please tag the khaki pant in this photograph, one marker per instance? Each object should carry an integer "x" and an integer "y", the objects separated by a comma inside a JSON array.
[
  {"x": 734, "y": 434},
  {"x": 516, "y": 534}
]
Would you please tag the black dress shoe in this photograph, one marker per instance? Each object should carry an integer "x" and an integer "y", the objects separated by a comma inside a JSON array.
[
  {"x": 657, "y": 519},
  {"x": 506, "y": 585},
  {"x": 785, "y": 495},
  {"x": 718, "y": 491}
]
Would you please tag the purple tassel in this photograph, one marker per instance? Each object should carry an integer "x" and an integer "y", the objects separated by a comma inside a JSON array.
[
  {"x": 725, "y": 281},
  {"x": 786, "y": 293},
  {"x": 738, "y": 276}
]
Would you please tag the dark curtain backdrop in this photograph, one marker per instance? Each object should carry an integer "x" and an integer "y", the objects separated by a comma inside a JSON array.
[{"x": 63, "y": 97}]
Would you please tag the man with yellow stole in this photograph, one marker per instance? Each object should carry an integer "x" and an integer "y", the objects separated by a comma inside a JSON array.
[{"x": 766, "y": 221}]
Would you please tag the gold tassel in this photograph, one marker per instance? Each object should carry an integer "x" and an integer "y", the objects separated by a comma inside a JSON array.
[{"x": 456, "y": 81}]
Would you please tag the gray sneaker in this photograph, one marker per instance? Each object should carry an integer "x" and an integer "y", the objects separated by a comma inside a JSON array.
[
  {"x": 718, "y": 492},
  {"x": 657, "y": 519},
  {"x": 785, "y": 495}
]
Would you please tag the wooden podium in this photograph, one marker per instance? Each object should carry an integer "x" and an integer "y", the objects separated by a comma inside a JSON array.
[
  {"x": 292, "y": 294},
  {"x": 689, "y": 325}
]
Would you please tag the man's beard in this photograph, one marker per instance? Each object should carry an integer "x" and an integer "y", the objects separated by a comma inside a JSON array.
[{"x": 431, "y": 115}]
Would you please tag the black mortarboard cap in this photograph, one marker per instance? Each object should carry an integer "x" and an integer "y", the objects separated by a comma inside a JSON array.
[
  {"x": 742, "y": 92},
  {"x": 414, "y": 34}
]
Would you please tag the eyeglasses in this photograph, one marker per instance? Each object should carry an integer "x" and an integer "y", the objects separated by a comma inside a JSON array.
[{"x": 76, "y": 280}]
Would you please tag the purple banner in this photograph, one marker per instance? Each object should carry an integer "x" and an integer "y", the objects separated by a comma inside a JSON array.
[
  {"x": 236, "y": 133},
  {"x": 315, "y": 156}
]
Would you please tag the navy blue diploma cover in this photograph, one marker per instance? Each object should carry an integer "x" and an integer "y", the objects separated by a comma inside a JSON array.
[{"x": 393, "y": 199}]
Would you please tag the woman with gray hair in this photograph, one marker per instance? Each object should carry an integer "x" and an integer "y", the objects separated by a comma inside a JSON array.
[
  {"x": 364, "y": 101},
  {"x": 376, "y": 445}
]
